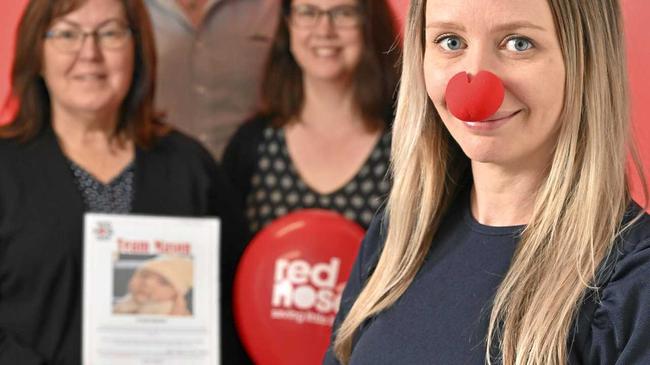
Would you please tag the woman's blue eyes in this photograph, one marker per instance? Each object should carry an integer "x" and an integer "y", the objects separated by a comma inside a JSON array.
[
  {"x": 451, "y": 43},
  {"x": 519, "y": 44}
]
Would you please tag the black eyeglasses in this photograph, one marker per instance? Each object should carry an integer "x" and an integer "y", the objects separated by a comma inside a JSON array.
[
  {"x": 342, "y": 16},
  {"x": 112, "y": 35}
]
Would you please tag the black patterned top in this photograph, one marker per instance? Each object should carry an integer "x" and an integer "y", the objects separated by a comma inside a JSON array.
[
  {"x": 277, "y": 189},
  {"x": 114, "y": 197}
]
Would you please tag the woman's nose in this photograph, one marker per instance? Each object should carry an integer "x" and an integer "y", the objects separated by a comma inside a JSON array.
[
  {"x": 90, "y": 48},
  {"x": 480, "y": 56},
  {"x": 325, "y": 25}
]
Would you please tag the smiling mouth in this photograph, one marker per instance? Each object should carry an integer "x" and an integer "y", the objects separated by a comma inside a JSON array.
[
  {"x": 326, "y": 51},
  {"x": 501, "y": 117},
  {"x": 493, "y": 122},
  {"x": 91, "y": 77}
]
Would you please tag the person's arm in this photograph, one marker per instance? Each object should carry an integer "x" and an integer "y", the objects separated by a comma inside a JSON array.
[
  {"x": 619, "y": 332},
  {"x": 11, "y": 350},
  {"x": 363, "y": 266}
]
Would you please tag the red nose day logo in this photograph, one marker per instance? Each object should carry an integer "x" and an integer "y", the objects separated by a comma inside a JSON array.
[
  {"x": 103, "y": 230},
  {"x": 474, "y": 99},
  {"x": 312, "y": 291}
]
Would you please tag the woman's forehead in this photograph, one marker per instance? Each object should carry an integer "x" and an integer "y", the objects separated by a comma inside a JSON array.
[
  {"x": 326, "y": 4},
  {"x": 488, "y": 15},
  {"x": 90, "y": 12}
]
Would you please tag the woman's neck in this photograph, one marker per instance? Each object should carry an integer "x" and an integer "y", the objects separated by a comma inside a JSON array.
[
  {"x": 504, "y": 197},
  {"x": 79, "y": 131},
  {"x": 91, "y": 142}
]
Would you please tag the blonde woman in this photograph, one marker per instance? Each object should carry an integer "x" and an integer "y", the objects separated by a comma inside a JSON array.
[{"x": 511, "y": 240}]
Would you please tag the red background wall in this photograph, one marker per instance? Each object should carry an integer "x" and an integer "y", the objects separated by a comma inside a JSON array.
[
  {"x": 636, "y": 13},
  {"x": 9, "y": 12},
  {"x": 637, "y": 32}
]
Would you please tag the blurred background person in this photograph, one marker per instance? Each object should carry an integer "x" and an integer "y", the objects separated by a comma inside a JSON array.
[
  {"x": 322, "y": 138},
  {"x": 85, "y": 139},
  {"x": 211, "y": 56}
]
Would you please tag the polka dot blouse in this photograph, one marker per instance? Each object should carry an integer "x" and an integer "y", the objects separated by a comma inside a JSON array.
[
  {"x": 114, "y": 197},
  {"x": 277, "y": 189}
]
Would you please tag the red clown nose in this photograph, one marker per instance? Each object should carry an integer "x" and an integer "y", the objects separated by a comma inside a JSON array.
[{"x": 474, "y": 99}]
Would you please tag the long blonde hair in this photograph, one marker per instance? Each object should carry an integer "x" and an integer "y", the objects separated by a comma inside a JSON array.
[{"x": 577, "y": 210}]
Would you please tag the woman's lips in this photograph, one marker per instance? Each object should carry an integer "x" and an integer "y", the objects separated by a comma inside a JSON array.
[{"x": 493, "y": 122}]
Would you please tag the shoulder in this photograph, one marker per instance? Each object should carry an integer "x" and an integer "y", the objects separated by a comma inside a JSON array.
[
  {"x": 176, "y": 154},
  {"x": 241, "y": 154},
  {"x": 14, "y": 152},
  {"x": 12, "y": 157},
  {"x": 177, "y": 147},
  {"x": 619, "y": 325},
  {"x": 252, "y": 128},
  {"x": 177, "y": 141},
  {"x": 631, "y": 252},
  {"x": 9, "y": 147},
  {"x": 247, "y": 137},
  {"x": 637, "y": 230},
  {"x": 630, "y": 258},
  {"x": 628, "y": 265},
  {"x": 362, "y": 269},
  {"x": 373, "y": 244}
]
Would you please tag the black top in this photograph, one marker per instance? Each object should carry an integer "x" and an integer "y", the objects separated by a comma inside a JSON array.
[
  {"x": 442, "y": 318},
  {"x": 41, "y": 222},
  {"x": 258, "y": 163}
]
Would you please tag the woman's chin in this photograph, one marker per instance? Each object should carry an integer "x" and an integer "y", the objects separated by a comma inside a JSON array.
[{"x": 93, "y": 107}]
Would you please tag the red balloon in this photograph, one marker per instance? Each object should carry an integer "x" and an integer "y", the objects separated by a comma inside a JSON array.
[
  {"x": 289, "y": 283},
  {"x": 474, "y": 99}
]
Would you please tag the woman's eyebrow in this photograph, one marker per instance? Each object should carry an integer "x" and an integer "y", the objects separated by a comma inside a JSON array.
[
  {"x": 445, "y": 25},
  {"x": 499, "y": 28},
  {"x": 101, "y": 24},
  {"x": 518, "y": 25}
]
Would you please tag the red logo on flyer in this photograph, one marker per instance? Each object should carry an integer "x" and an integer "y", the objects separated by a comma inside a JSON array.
[{"x": 103, "y": 231}]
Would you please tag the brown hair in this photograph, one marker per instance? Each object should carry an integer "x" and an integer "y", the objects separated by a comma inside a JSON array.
[
  {"x": 136, "y": 117},
  {"x": 375, "y": 78}
]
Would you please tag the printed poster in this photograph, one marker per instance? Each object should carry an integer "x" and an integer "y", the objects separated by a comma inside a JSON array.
[{"x": 150, "y": 290}]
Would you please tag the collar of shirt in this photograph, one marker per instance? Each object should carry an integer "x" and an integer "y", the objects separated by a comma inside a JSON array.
[{"x": 173, "y": 7}]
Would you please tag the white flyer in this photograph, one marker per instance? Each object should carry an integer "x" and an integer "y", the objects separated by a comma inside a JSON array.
[{"x": 150, "y": 290}]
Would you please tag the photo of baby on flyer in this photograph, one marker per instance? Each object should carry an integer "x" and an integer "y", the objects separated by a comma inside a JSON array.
[
  {"x": 153, "y": 285},
  {"x": 149, "y": 294}
]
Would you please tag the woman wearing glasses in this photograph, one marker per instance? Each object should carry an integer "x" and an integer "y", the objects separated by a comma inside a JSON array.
[
  {"x": 321, "y": 139},
  {"x": 85, "y": 138}
]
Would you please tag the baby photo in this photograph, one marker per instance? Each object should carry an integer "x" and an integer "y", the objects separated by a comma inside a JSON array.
[{"x": 158, "y": 285}]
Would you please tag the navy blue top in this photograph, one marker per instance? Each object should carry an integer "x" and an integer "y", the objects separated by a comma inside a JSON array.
[{"x": 442, "y": 318}]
